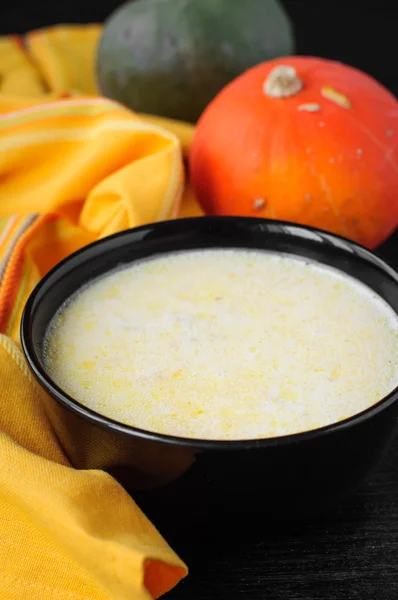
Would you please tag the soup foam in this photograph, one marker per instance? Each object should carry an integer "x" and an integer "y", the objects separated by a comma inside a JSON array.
[{"x": 225, "y": 344}]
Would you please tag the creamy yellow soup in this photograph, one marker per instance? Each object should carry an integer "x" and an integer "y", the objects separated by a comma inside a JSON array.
[{"x": 225, "y": 344}]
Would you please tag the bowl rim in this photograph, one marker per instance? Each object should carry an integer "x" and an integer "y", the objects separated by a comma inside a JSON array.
[{"x": 199, "y": 444}]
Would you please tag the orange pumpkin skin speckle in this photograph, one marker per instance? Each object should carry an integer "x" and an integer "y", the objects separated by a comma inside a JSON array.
[{"x": 326, "y": 155}]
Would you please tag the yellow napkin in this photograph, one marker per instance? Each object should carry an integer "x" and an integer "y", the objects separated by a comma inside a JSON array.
[{"x": 73, "y": 168}]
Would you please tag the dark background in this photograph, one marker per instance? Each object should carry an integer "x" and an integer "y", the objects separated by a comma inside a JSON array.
[
  {"x": 363, "y": 34},
  {"x": 352, "y": 553}
]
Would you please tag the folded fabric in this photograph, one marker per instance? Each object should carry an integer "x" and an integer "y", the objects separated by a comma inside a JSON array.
[{"x": 73, "y": 168}]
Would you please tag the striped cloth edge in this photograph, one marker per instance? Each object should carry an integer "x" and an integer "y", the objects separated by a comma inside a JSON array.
[{"x": 15, "y": 231}]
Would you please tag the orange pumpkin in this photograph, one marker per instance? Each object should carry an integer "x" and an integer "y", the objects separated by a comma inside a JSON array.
[{"x": 305, "y": 140}]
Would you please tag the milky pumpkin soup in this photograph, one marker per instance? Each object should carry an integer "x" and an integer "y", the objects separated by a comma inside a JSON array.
[{"x": 225, "y": 344}]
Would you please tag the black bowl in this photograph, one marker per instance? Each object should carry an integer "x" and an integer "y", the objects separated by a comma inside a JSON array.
[{"x": 294, "y": 474}]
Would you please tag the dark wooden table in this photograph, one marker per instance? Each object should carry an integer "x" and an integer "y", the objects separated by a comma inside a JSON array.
[{"x": 352, "y": 553}]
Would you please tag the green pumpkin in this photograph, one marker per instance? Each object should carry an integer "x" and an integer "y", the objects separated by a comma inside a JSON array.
[{"x": 171, "y": 57}]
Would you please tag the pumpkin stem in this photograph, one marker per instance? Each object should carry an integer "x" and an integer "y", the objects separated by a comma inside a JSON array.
[{"x": 282, "y": 82}]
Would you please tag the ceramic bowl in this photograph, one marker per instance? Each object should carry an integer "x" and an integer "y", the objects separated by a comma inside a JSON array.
[{"x": 286, "y": 475}]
